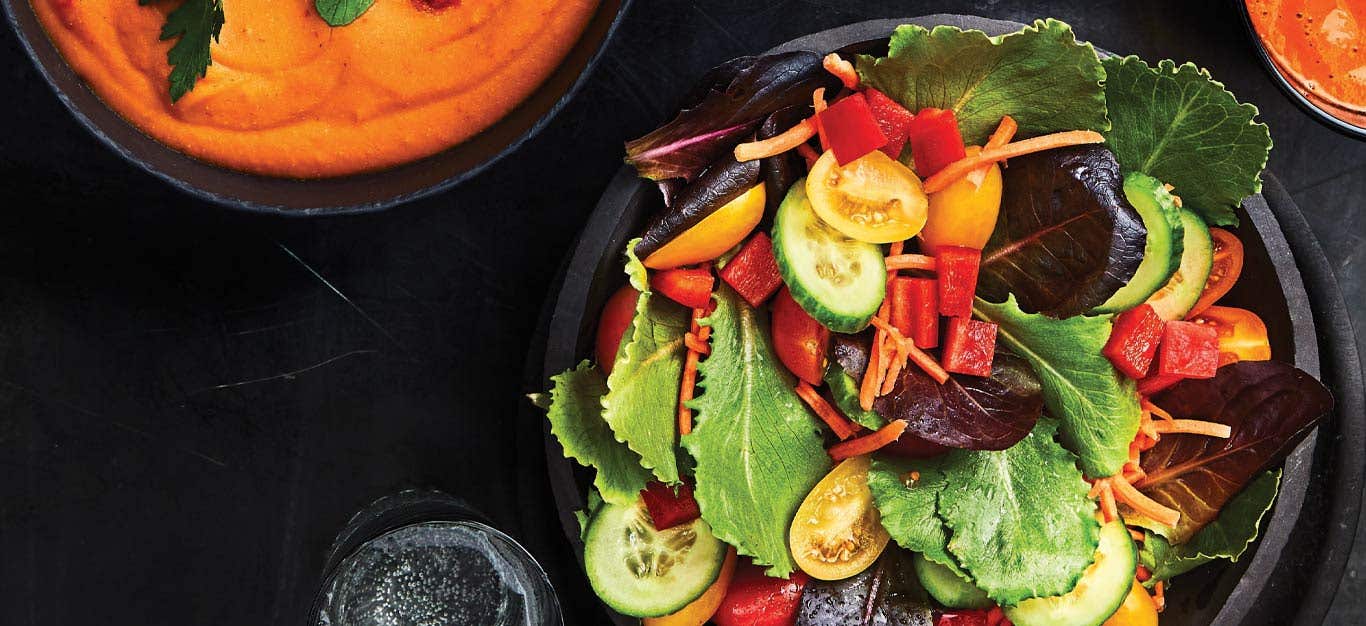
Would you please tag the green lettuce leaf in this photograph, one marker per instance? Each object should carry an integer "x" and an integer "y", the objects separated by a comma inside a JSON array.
[
  {"x": 908, "y": 506},
  {"x": 1018, "y": 521},
  {"x": 575, "y": 414},
  {"x": 1041, "y": 76},
  {"x": 844, "y": 391},
  {"x": 1227, "y": 537},
  {"x": 1098, "y": 406},
  {"x": 1182, "y": 127},
  {"x": 641, "y": 403},
  {"x": 585, "y": 515},
  {"x": 758, "y": 450}
]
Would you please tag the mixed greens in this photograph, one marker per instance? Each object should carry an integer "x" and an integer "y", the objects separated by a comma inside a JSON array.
[{"x": 933, "y": 338}]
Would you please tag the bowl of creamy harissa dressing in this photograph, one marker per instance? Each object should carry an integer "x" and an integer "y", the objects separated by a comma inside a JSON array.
[{"x": 307, "y": 106}]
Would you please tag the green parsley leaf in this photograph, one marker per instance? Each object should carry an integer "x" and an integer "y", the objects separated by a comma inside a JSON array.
[
  {"x": 1041, "y": 76},
  {"x": 757, "y": 448},
  {"x": 1098, "y": 407},
  {"x": 341, "y": 12},
  {"x": 1227, "y": 537},
  {"x": 1182, "y": 127},
  {"x": 1017, "y": 522},
  {"x": 575, "y": 415},
  {"x": 197, "y": 24},
  {"x": 641, "y": 404}
]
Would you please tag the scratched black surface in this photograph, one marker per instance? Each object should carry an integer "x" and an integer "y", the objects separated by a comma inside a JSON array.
[{"x": 193, "y": 402}]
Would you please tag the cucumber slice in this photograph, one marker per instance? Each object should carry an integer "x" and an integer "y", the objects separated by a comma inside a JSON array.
[
  {"x": 837, "y": 280},
  {"x": 1175, "y": 299},
  {"x": 1161, "y": 253},
  {"x": 947, "y": 587},
  {"x": 1098, "y": 594},
  {"x": 643, "y": 572}
]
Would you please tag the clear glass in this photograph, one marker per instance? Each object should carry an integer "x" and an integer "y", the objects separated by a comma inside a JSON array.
[{"x": 449, "y": 568}]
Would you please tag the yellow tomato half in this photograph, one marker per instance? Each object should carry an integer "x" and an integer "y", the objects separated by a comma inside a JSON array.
[
  {"x": 837, "y": 532},
  {"x": 964, "y": 213},
  {"x": 1138, "y": 609},
  {"x": 714, "y": 235},
  {"x": 700, "y": 610},
  {"x": 873, "y": 198}
]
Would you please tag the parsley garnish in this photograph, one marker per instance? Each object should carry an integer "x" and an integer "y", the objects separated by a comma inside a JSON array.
[
  {"x": 341, "y": 12},
  {"x": 196, "y": 23}
]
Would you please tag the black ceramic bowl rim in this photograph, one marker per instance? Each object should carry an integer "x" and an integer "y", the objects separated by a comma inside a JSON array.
[
  {"x": 569, "y": 313},
  {"x": 1322, "y": 116},
  {"x": 359, "y": 193}
]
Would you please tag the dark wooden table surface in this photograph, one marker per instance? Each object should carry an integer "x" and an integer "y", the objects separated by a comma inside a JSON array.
[{"x": 193, "y": 402}]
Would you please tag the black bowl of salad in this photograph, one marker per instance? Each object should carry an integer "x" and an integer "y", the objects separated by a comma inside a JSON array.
[{"x": 904, "y": 338}]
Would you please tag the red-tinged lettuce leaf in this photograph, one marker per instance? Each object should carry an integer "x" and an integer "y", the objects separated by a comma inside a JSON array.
[
  {"x": 730, "y": 103},
  {"x": 971, "y": 412},
  {"x": 1227, "y": 537},
  {"x": 1270, "y": 407},
  {"x": 886, "y": 593},
  {"x": 1067, "y": 238},
  {"x": 724, "y": 181}
]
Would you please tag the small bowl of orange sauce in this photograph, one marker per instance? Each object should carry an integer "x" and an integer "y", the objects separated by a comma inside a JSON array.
[{"x": 1316, "y": 52}]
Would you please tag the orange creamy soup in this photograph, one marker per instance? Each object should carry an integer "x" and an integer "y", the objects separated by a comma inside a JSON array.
[
  {"x": 1320, "y": 47},
  {"x": 287, "y": 95}
]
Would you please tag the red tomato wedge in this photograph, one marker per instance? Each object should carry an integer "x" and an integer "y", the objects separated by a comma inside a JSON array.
[
  {"x": 1242, "y": 335},
  {"x": 1228, "y": 266},
  {"x": 800, "y": 341},
  {"x": 616, "y": 317}
]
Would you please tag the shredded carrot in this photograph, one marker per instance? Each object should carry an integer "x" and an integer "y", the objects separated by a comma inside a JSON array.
[
  {"x": 789, "y": 139},
  {"x": 1194, "y": 427},
  {"x": 808, "y": 154},
  {"x": 896, "y": 248},
  {"x": 695, "y": 343},
  {"x": 1133, "y": 474},
  {"x": 839, "y": 424},
  {"x": 1134, "y": 499},
  {"x": 869, "y": 443},
  {"x": 1097, "y": 486},
  {"x": 960, "y": 168},
  {"x": 700, "y": 335},
  {"x": 1107, "y": 503},
  {"x": 818, "y": 104},
  {"x": 869, "y": 387},
  {"x": 1159, "y": 597},
  {"x": 916, "y": 355},
  {"x": 1138, "y": 536},
  {"x": 1157, "y": 411},
  {"x": 842, "y": 70},
  {"x": 894, "y": 368},
  {"x": 1004, "y": 133},
  {"x": 911, "y": 262}
]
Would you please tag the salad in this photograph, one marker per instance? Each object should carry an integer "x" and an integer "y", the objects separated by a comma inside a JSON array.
[{"x": 933, "y": 338}]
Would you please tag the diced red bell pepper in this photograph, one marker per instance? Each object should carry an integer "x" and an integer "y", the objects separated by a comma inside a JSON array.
[
  {"x": 690, "y": 287},
  {"x": 798, "y": 339},
  {"x": 754, "y": 599},
  {"x": 753, "y": 273},
  {"x": 1156, "y": 383},
  {"x": 935, "y": 141},
  {"x": 892, "y": 118},
  {"x": 961, "y": 617},
  {"x": 851, "y": 129},
  {"x": 969, "y": 346},
  {"x": 1189, "y": 350},
  {"x": 915, "y": 310},
  {"x": 670, "y": 506},
  {"x": 1134, "y": 338},
  {"x": 957, "y": 267}
]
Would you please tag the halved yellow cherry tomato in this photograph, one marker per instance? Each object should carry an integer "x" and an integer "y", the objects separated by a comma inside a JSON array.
[
  {"x": 697, "y": 612},
  {"x": 714, "y": 235},
  {"x": 1242, "y": 335},
  {"x": 963, "y": 214},
  {"x": 872, "y": 198},
  {"x": 837, "y": 531},
  {"x": 1138, "y": 609}
]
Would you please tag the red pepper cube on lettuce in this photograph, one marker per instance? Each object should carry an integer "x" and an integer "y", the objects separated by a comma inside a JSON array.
[
  {"x": 892, "y": 118},
  {"x": 753, "y": 273},
  {"x": 957, "y": 267},
  {"x": 1189, "y": 350},
  {"x": 1134, "y": 337},
  {"x": 754, "y": 599},
  {"x": 915, "y": 310},
  {"x": 690, "y": 287},
  {"x": 935, "y": 141},
  {"x": 851, "y": 131},
  {"x": 669, "y": 506},
  {"x": 969, "y": 346}
]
